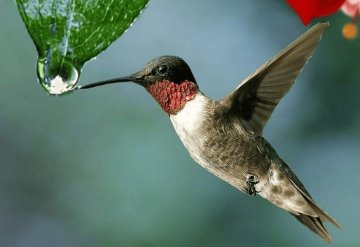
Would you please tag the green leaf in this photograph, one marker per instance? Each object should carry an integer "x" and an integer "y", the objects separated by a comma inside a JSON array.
[{"x": 68, "y": 33}]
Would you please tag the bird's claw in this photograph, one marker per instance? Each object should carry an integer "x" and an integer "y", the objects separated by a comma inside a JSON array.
[{"x": 250, "y": 182}]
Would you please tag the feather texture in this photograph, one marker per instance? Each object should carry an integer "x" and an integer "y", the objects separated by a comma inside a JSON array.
[{"x": 254, "y": 100}]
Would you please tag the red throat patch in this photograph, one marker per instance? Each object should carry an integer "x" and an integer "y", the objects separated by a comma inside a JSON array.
[{"x": 172, "y": 97}]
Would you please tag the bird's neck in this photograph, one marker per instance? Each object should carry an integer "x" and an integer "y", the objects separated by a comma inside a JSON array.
[{"x": 173, "y": 97}]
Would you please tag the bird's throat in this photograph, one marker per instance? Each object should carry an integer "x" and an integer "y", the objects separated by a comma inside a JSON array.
[{"x": 172, "y": 97}]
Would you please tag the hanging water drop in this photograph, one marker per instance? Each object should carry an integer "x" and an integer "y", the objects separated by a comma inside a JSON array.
[
  {"x": 67, "y": 34},
  {"x": 59, "y": 78}
]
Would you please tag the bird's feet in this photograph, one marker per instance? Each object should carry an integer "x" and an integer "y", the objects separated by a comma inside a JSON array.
[{"x": 250, "y": 182}]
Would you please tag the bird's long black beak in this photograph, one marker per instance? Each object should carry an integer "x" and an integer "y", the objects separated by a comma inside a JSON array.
[{"x": 111, "y": 81}]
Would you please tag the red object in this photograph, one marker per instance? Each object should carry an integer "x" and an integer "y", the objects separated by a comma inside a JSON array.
[
  {"x": 310, "y": 9},
  {"x": 172, "y": 97}
]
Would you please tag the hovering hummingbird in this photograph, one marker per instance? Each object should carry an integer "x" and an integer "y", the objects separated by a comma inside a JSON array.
[{"x": 225, "y": 137}]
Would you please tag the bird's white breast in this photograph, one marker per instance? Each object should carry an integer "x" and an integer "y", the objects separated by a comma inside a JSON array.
[
  {"x": 190, "y": 117},
  {"x": 187, "y": 123}
]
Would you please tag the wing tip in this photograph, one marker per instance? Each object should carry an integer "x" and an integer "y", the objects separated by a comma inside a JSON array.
[
  {"x": 318, "y": 28},
  {"x": 322, "y": 24},
  {"x": 314, "y": 33}
]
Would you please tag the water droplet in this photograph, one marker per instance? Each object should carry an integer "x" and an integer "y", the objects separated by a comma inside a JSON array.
[{"x": 57, "y": 78}]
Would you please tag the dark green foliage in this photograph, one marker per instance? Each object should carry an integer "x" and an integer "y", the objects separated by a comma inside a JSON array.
[{"x": 69, "y": 32}]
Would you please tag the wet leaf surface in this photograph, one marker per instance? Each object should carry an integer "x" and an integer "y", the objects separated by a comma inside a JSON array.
[{"x": 68, "y": 33}]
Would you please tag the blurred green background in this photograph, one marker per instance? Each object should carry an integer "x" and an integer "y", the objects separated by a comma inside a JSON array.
[{"x": 104, "y": 167}]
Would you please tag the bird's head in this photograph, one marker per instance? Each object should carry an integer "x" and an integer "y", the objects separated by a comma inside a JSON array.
[{"x": 167, "y": 78}]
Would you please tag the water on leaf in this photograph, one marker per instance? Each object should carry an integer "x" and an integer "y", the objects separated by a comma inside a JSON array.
[
  {"x": 68, "y": 33},
  {"x": 57, "y": 78}
]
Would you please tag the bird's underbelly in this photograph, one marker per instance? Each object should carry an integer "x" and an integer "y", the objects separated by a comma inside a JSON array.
[
  {"x": 231, "y": 159},
  {"x": 230, "y": 154}
]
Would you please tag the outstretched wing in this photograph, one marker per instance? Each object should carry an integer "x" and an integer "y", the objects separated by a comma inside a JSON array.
[{"x": 256, "y": 97}]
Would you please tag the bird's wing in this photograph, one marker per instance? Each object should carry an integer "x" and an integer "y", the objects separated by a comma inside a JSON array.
[{"x": 254, "y": 100}]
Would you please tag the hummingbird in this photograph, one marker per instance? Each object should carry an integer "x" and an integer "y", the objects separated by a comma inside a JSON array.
[{"x": 225, "y": 136}]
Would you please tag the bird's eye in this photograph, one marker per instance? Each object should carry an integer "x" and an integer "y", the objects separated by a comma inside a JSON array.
[{"x": 162, "y": 70}]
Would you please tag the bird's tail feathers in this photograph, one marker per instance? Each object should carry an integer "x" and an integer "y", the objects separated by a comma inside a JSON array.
[
  {"x": 321, "y": 213},
  {"x": 300, "y": 187},
  {"x": 286, "y": 191},
  {"x": 314, "y": 224}
]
